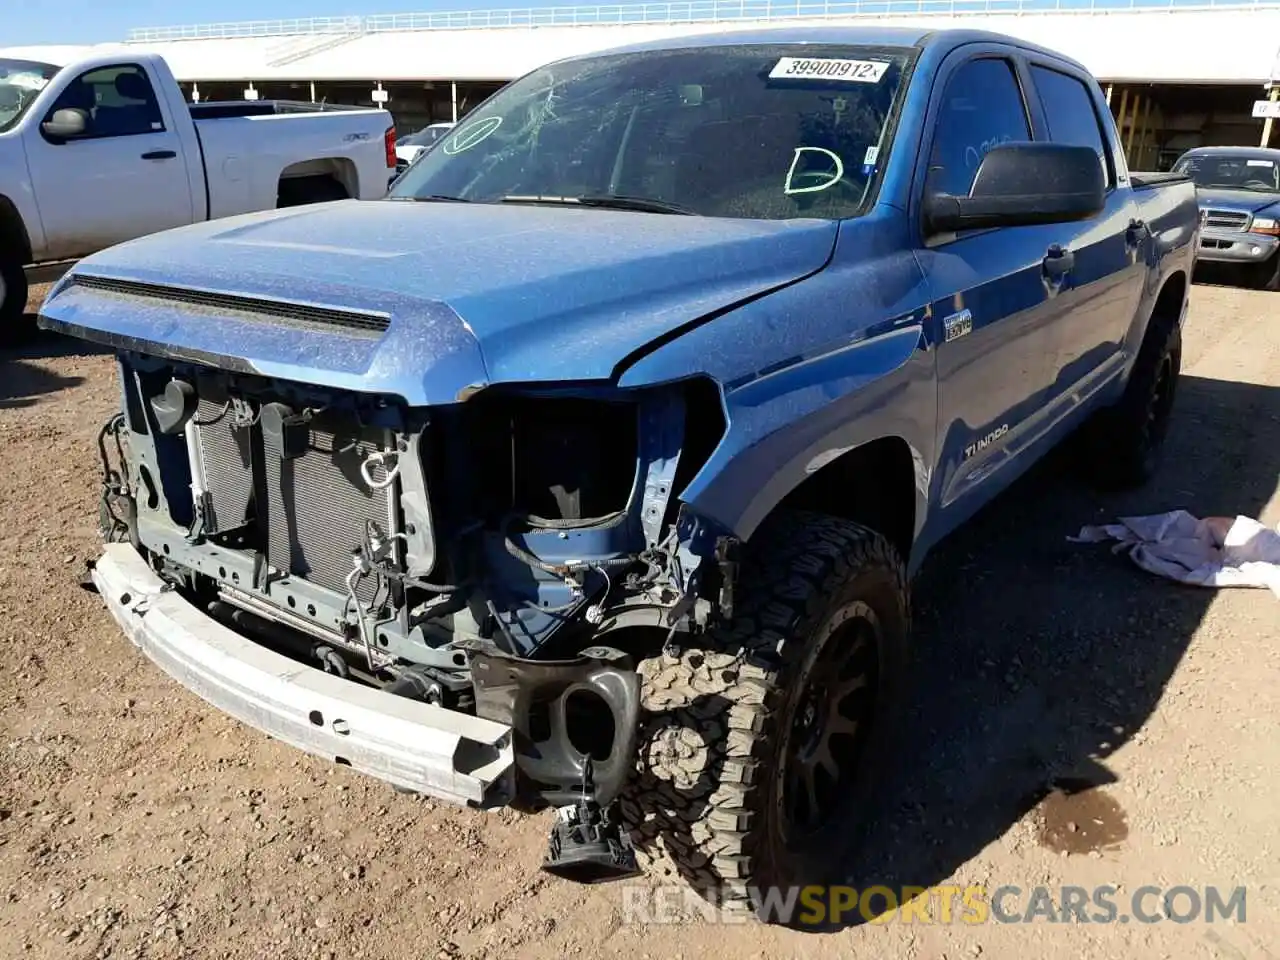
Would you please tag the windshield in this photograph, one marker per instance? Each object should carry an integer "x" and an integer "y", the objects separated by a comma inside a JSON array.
[
  {"x": 20, "y": 83},
  {"x": 755, "y": 131},
  {"x": 425, "y": 137},
  {"x": 1232, "y": 172}
]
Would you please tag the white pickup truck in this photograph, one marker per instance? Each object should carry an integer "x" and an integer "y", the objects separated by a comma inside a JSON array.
[{"x": 102, "y": 148}]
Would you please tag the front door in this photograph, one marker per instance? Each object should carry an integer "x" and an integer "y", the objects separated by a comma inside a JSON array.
[
  {"x": 124, "y": 177},
  {"x": 992, "y": 293}
]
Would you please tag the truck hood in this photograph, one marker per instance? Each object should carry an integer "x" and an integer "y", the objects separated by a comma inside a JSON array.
[
  {"x": 1240, "y": 201},
  {"x": 474, "y": 293}
]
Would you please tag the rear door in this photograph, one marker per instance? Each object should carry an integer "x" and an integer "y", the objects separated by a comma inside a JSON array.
[
  {"x": 123, "y": 178},
  {"x": 1105, "y": 282},
  {"x": 992, "y": 307}
]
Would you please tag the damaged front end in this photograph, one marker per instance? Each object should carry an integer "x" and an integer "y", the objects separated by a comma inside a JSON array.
[{"x": 506, "y": 560}]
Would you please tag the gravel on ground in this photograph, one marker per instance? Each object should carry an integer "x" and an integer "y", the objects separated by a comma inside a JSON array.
[{"x": 1074, "y": 721}]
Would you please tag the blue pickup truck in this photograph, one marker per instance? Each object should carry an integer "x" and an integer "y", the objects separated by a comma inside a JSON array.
[
  {"x": 1239, "y": 191},
  {"x": 590, "y": 469}
]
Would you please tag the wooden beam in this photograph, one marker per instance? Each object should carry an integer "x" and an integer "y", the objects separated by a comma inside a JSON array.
[
  {"x": 1133, "y": 126},
  {"x": 1124, "y": 106},
  {"x": 1144, "y": 133}
]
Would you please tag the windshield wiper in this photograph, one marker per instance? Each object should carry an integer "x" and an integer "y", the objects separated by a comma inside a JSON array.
[
  {"x": 436, "y": 197},
  {"x": 609, "y": 201}
]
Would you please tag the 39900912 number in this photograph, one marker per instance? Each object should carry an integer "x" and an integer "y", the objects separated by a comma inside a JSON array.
[{"x": 807, "y": 68}]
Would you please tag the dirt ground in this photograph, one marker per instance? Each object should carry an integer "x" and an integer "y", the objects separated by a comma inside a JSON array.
[{"x": 135, "y": 821}]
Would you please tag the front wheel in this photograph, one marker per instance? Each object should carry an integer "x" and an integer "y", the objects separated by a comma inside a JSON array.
[
  {"x": 756, "y": 738},
  {"x": 15, "y": 325},
  {"x": 1266, "y": 276}
]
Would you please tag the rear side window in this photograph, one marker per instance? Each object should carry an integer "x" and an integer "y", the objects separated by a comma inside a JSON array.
[
  {"x": 982, "y": 107},
  {"x": 1069, "y": 112}
]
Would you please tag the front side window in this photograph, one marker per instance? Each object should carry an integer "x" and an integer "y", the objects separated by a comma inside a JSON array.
[
  {"x": 982, "y": 108},
  {"x": 772, "y": 131},
  {"x": 118, "y": 101},
  {"x": 20, "y": 83},
  {"x": 1069, "y": 112},
  {"x": 1258, "y": 174}
]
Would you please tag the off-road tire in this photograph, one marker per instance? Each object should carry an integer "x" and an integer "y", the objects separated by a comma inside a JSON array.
[
  {"x": 16, "y": 326},
  {"x": 703, "y": 803},
  {"x": 1125, "y": 443},
  {"x": 1266, "y": 276}
]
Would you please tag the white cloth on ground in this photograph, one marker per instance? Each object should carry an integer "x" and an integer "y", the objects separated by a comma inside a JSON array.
[{"x": 1213, "y": 552}]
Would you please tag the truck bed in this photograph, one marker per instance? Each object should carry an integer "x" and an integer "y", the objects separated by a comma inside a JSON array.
[
  {"x": 1149, "y": 181},
  {"x": 224, "y": 109}
]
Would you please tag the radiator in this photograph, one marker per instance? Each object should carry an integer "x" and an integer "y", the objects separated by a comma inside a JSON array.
[
  {"x": 311, "y": 510},
  {"x": 225, "y": 455},
  {"x": 318, "y": 506}
]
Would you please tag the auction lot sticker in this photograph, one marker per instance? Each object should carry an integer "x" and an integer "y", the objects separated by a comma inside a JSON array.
[{"x": 807, "y": 68}]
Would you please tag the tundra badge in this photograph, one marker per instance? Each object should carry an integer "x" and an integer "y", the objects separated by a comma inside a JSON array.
[
  {"x": 957, "y": 325},
  {"x": 979, "y": 445}
]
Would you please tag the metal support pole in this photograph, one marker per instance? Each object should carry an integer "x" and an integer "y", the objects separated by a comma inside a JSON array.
[
  {"x": 1266, "y": 124},
  {"x": 313, "y": 92},
  {"x": 1110, "y": 87},
  {"x": 453, "y": 94}
]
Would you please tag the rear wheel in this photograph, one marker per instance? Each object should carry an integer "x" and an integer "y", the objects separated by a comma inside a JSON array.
[
  {"x": 757, "y": 738},
  {"x": 299, "y": 191},
  {"x": 15, "y": 325},
  {"x": 1126, "y": 441}
]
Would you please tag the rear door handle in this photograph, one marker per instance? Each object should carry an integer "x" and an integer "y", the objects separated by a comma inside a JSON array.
[
  {"x": 160, "y": 155},
  {"x": 1137, "y": 230},
  {"x": 1058, "y": 262}
]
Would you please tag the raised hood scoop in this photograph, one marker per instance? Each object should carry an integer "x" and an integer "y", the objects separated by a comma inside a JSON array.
[{"x": 441, "y": 297}]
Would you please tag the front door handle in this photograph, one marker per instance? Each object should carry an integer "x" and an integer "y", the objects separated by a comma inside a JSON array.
[
  {"x": 160, "y": 155},
  {"x": 1058, "y": 262}
]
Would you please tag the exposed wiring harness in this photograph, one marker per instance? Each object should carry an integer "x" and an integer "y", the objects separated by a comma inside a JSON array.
[
  {"x": 375, "y": 558},
  {"x": 114, "y": 484}
]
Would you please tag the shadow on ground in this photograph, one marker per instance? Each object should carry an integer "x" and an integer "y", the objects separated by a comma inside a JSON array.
[
  {"x": 23, "y": 381},
  {"x": 43, "y": 345},
  {"x": 1037, "y": 658}
]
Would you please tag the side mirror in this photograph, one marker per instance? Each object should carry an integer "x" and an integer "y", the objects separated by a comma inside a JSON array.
[
  {"x": 1019, "y": 184},
  {"x": 65, "y": 124}
]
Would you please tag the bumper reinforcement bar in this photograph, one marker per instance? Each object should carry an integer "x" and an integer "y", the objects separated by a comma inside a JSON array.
[{"x": 416, "y": 746}]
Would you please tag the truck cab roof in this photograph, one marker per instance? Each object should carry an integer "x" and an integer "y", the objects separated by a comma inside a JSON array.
[
  {"x": 941, "y": 41},
  {"x": 63, "y": 54}
]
